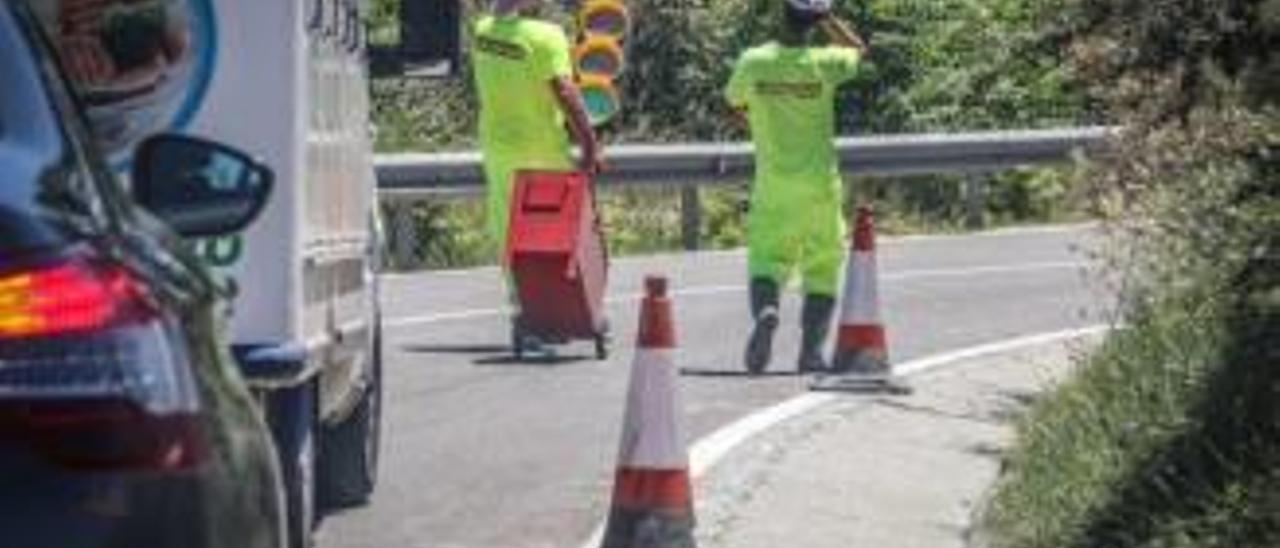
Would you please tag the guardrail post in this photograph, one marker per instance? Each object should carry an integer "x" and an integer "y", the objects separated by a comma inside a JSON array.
[
  {"x": 690, "y": 217},
  {"x": 403, "y": 235},
  {"x": 975, "y": 193}
]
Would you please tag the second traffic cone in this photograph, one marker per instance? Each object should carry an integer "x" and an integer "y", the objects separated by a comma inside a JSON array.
[
  {"x": 652, "y": 502},
  {"x": 861, "y": 345}
]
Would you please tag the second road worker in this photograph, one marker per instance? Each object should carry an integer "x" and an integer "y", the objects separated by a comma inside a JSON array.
[
  {"x": 786, "y": 91},
  {"x": 524, "y": 77}
]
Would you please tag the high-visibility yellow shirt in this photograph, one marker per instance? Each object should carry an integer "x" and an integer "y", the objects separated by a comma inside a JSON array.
[
  {"x": 515, "y": 59},
  {"x": 789, "y": 94}
]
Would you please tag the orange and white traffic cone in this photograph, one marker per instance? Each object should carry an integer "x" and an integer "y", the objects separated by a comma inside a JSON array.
[
  {"x": 861, "y": 345},
  {"x": 652, "y": 501},
  {"x": 862, "y": 350}
]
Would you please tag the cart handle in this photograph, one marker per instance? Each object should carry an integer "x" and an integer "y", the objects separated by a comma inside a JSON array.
[{"x": 599, "y": 220}]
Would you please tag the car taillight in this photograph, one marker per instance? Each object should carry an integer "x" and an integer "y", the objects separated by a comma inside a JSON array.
[
  {"x": 90, "y": 374},
  {"x": 66, "y": 299}
]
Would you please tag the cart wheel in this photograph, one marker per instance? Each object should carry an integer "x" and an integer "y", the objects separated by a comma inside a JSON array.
[
  {"x": 517, "y": 342},
  {"x": 602, "y": 346}
]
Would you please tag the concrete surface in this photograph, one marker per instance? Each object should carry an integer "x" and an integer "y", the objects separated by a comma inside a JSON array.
[{"x": 879, "y": 471}]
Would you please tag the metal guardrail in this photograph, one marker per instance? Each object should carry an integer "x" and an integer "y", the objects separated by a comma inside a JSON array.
[
  {"x": 405, "y": 178},
  {"x": 452, "y": 174}
]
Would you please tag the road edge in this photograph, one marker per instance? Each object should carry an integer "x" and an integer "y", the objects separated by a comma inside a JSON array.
[{"x": 708, "y": 451}]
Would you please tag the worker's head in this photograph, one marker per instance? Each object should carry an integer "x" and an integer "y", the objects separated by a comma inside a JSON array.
[{"x": 802, "y": 15}]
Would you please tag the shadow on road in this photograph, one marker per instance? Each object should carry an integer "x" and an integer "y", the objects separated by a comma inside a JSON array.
[
  {"x": 724, "y": 373},
  {"x": 551, "y": 360},
  {"x": 456, "y": 348},
  {"x": 493, "y": 355}
]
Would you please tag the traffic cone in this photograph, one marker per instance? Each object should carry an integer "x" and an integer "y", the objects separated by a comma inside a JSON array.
[
  {"x": 861, "y": 345},
  {"x": 861, "y": 359},
  {"x": 652, "y": 502}
]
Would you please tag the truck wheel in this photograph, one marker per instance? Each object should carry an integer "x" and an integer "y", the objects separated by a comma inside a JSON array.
[
  {"x": 294, "y": 429},
  {"x": 349, "y": 456}
]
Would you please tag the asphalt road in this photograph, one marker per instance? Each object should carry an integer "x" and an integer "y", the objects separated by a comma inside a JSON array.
[{"x": 483, "y": 452}]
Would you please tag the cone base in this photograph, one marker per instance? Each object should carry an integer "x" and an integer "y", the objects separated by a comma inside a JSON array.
[
  {"x": 862, "y": 383},
  {"x": 867, "y": 361},
  {"x": 648, "y": 529}
]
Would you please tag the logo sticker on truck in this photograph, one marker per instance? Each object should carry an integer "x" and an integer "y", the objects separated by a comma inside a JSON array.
[{"x": 221, "y": 252}]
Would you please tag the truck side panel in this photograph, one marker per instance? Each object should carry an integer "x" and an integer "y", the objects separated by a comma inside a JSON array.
[
  {"x": 340, "y": 194},
  {"x": 253, "y": 103}
]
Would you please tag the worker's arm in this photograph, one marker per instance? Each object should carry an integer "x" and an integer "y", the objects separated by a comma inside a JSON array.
[
  {"x": 843, "y": 35},
  {"x": 579, "y": 124}
]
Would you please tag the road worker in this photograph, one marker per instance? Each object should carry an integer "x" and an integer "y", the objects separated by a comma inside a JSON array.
[
  {"x": 524, "y": 77},
  {"x": 785, "y": 90}
]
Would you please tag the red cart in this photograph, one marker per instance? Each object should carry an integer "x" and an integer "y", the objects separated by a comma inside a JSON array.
[{"x": 558, "y": 261}]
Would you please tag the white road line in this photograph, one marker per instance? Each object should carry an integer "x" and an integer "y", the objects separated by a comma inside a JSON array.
[
  {"x": 445, "y": 317},
  {"x": 740, "y": 252},
  {"x": 1009, "y": 232},
  {"x": 979, "y": 270},
  {"x": 737, "y": 252},
  {"x": 916, "y": 367},
  {"x": 711, "y": 449},
  {"x": 630, "y": 259},
  {"x": 711, "y": 290}
]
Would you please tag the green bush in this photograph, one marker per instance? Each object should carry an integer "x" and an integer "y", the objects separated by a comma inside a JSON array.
[
  {"x": 1169, "y": 436},
  {"x": 445, "y": 234}
]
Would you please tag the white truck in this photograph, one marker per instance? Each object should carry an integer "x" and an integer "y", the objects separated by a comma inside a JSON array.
[{"x": 287, "y": 81}]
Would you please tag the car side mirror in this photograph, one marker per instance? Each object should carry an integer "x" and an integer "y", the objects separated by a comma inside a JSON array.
[
  {"x": 430, "y": 41},
  {"x": 199, "y": 187}
]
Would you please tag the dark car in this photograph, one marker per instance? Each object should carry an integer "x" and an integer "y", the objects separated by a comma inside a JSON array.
[{"x": 124, "y": 420}]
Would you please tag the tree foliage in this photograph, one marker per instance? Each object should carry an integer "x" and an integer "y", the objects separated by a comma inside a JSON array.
[{"x": 937, "y": 65}]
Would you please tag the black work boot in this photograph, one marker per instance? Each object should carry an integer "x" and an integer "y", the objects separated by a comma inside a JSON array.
[
  {"x": 764, "y": 309},
  {"x": 815, "y": 324}
]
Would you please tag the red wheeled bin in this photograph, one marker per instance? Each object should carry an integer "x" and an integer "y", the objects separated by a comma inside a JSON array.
[{"x": 557, "y": 258}]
